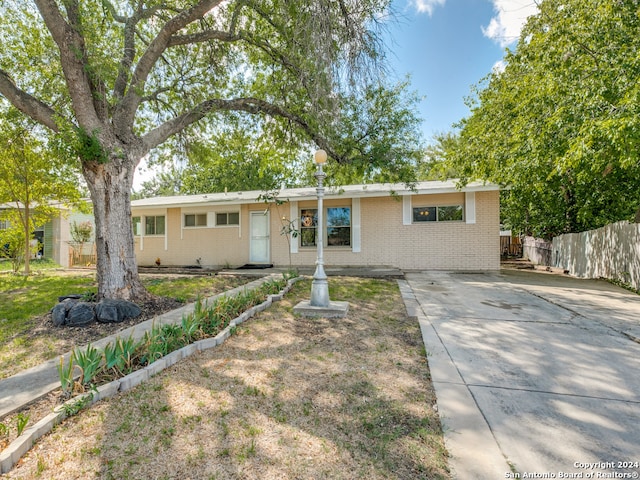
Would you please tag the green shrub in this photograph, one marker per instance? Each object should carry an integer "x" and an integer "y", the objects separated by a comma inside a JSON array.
[
  {"x": 206, "y": 320},
  {"x": 89, "y": 362},
  {"x": 12, "y": 246},
  {"x": 151, "y": 347},
  {"x": 120, "y": 355},
  {"x": 190, "y": 328},
  {"x": 65, "y": 373},
  {"x": 172, "y": 337},
  {"x": 22, "y": 419}
]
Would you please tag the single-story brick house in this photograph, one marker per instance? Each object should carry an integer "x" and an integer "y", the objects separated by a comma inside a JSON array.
[{"x": 433, "y": 226}]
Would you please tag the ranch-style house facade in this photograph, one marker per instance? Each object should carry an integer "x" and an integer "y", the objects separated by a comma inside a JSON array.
[{"x": 431, "y": 226}]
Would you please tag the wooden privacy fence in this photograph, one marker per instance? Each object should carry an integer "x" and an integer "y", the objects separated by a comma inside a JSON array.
[
  {"x": 612, "y": 252},
  {"x": 510, "y": 246},
  {"x": 537, "y": 250},
  {"x": 82, "y": 255}
]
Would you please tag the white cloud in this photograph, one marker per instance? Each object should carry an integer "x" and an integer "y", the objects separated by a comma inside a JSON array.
[
  {"x": 426, "y": 6},
  {"x": 499, "y": 67},
  {"x": 511, "y": 15}
]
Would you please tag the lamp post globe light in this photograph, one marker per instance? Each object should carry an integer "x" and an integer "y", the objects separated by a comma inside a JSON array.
[{"x": 319, "y": 304}]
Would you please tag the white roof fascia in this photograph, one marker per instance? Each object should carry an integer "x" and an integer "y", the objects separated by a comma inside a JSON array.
[{"x": 309, "y": 193}]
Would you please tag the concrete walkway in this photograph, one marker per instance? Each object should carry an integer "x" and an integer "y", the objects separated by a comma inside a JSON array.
[{"x": 534, "y": 373}]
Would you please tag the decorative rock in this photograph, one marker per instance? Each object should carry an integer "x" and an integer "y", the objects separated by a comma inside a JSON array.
[
  {"x": 107, "y": 313},
  {"x": 126, "y": 309},
  {"x": 71, "y": 296},
  {"x": 71, "y": 311},
  {"x": 81, "y": 314},
  {"x": 59, "y": 314},
  {"x": 112, "y": 311}
]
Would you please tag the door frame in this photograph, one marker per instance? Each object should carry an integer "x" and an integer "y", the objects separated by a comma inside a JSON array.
[{"x": 251, "y": 236}]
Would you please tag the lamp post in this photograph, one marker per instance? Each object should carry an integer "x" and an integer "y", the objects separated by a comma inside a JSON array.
[
  {"x": 320, "y": 285},
  {"x": 319, "y": 305}
]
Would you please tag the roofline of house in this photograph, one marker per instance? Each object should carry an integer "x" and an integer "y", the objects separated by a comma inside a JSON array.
[
  {"x": 59, "y": 204},
  {"x": 309, "y": 193}
]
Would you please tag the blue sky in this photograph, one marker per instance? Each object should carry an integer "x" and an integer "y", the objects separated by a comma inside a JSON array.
[{"x": 447, "y": 46}]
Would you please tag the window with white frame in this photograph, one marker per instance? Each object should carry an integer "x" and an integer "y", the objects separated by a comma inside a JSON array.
[
  {"x": 337, "y": 227},
  {"x": 440, "y": 213},
  {"x": 308, "y": 227},
  {"x": 154, "y": 225},
  {"x": 227, "y": 219},
  {"x": 195, "y": 220}
]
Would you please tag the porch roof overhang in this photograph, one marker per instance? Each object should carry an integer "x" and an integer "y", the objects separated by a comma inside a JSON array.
[{"x": 309, "y": 193}]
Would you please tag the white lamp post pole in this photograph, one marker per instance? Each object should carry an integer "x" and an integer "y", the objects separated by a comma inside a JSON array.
[{"x": 320, "y": 285}]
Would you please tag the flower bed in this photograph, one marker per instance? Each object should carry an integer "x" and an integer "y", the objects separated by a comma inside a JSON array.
[{"x": 93, "y": 374}]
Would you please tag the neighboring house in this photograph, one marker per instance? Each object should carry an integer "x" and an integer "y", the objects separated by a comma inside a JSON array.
[
  {"x": 434, "y": 226},
  {"x": 54, "y": 237}
]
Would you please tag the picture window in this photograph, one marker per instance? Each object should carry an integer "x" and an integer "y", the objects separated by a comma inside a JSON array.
[
  {"x": 308, "y": 227},
  {"x": 337, "y": 227}
]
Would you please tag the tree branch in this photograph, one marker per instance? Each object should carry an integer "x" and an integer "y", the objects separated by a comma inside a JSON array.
[
  {"x": 27, "y": 104},
  {"x": 129, "y": 50},
  {"x": 204, "y": 36},
  {"x": 73, "y": 60},
  {"x": 249, "y": 105},
  {"x": 96, "y": 84},
  {"x": 126, "y": 111},
  {"x": 114, "y": 13}
]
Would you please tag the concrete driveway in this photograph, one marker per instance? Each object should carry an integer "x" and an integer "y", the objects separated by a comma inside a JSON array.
[{"x": 537, "y": 375}]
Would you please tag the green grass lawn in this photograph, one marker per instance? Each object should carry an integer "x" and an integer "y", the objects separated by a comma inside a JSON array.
[
  {"x": 187, "y": 289},
  {"x": 22, "y": 298},
  {"x": 36, "y": 265}
]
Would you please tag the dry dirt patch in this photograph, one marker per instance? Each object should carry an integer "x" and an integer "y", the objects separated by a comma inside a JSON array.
[{"x": 286, "y": 397}]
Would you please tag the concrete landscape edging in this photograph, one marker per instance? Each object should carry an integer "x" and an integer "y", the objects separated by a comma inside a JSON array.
[{"x": 11, "y": 455}]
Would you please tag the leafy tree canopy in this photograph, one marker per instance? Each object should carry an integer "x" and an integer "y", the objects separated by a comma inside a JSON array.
[
  {"x": 34, "y": 182},
  {"x": 377, "y": 135},
  {"x": 115, "y": 79},
  {"x": 560, "y": 126}
]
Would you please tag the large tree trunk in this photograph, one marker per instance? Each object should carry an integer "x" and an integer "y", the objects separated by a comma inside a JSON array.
[{"x": 117, "y": 271}]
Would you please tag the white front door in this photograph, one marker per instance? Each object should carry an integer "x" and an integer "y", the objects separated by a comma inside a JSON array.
[{"x": 259, "y": 230}]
